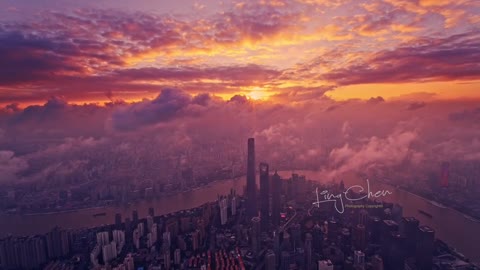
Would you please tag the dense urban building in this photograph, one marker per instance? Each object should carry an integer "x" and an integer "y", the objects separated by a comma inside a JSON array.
[
  {"x": 251, "y": 187},
  {"x": 294, "y": 233},
  {"x": 264, "y": 195}
]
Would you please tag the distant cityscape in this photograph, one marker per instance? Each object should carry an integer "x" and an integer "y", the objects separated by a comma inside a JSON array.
[
  {"x": 275, "y": 226},
  {"x": 108, "y": 180}
]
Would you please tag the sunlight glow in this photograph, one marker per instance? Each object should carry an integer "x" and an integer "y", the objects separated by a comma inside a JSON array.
[{"x": 258, "y": 93}]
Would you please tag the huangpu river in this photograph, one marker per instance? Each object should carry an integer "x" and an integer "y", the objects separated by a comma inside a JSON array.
[{"x": 450, "y": 225}]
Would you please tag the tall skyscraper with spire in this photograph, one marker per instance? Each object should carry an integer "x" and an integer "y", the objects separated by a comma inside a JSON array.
[{"x": 251, "y": 183}]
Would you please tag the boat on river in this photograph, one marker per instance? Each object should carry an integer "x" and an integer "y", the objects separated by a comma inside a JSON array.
[{"x": 425, "y": 213}]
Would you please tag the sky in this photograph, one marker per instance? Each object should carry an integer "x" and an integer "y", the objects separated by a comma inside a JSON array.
[
  {"x": 283, "y": 51},
  {"x": 96, "y": 87}
]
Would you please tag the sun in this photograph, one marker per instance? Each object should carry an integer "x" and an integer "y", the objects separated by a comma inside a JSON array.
[{"x": 257, "y": 93}]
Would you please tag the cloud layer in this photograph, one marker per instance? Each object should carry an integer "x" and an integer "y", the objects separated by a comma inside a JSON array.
[{"x": 91, "y": 142}]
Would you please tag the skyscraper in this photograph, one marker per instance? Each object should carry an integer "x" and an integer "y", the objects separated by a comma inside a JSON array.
[
  {"x": 276, "y": 203},
  {"x": 295, "y": 185},
  {"x": 195, "y": 240},
  {"x": 255, "y": 234},
  {"x": 409, "y": 229},
  {"x": 276, "y": 246},
  {"x": 388, "y": 227},
  {"x": 359, "y": 259},
  {"x": 129, "y": 262},
  {"x": 332, "y": 230},
  {"x": 286, "y": 245},
  {"x": 118, "y": 236},
  {"x": 103, "y": 238},
  {"x": 118, "y": 220},
  {"x": 363, "y": 217},
  {"x": 296, "y": 233},
  {"x": 285, "y": 261},
  {"x": 425, "y": 246},
  {"x": 233, "y": 202},
  {"x": 149, "y": 223},
  {"x": 317, "y": 238},
  {"x": 135, "y": 217},
  {"x": 264, "y": 195},
  {"x": 360, "y": 237},
  {"x": 375, "y": 230},
  {"x": 177, "y": 257},
  {"x": 166, "y": 259},
  {"x": 222, "y": 203},
  {"x": 251, "y": 184},
  {"x": 109, "y": 252},
  {"x": 57, "y": 241},
  {"x": 325, "y": 265},
  {"x": 308, "y": 251},
  {"x": 22, "y": 253},
  {"x": 270, "y": 263},
  {"x": 445, "y": 172},
  {"x": 396, "y": 250},
  {"x": 377, "y": 262}
]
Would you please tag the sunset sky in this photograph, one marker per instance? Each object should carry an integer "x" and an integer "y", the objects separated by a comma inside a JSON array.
[
  {"x": 279, "y": 50},
  {"x": 378, "y": 86}
]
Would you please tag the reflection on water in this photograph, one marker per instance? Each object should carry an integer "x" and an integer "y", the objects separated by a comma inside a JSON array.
[{"x": 450, "y": 225}]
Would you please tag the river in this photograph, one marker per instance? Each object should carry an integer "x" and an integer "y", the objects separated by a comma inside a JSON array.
[{"x": 450, "y": 225}]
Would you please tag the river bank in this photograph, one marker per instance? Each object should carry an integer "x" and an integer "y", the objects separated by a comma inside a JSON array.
[{"x": 469, "y": 214}]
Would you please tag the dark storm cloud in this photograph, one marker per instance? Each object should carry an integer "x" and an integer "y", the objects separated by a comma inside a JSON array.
[
  {"x": 202, "y": 99},
  {"x": 454, "y": 57},
  {"x": 375, "y": 100},
  {"x": 52, "y": 109},
  {"x": 54, "y": 120},
  {"x": 29, "y": 58},
  {"x": 11, "y": 108},
  {"x": 239, "y": 99},
  {"x": 416, "y": 105},
  {"x": 466, "y": 115},
  {"x": 238, "y": 74},
  {"x": 168, "y": 105}
]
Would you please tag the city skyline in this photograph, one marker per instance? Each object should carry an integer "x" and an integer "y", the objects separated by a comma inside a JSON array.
[{"x": 223, "y": 233}]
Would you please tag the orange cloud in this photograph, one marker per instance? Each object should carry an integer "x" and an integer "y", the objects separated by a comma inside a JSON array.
[
  {"x": 402, "y": 28},
  {"x": 334, "y": 32},
  {"x": 452, "y": 16}
]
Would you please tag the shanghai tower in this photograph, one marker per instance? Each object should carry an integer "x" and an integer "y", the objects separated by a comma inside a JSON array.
[{"x": 251, "y": 192}]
